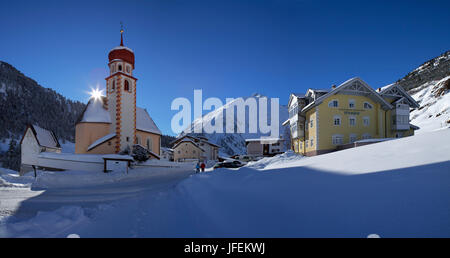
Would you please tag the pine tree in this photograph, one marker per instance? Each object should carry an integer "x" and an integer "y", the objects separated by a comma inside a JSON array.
[{"x": 12, "y": 156}]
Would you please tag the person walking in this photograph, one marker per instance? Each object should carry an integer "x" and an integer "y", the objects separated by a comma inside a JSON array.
[
  {"x": 203, "y": 166},
  {"x": 197, "y": 167}
]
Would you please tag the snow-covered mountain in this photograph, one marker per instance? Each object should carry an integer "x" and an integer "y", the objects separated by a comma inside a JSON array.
[
  {"x": 234, "y": 143},
  {"x": 429, "y": 85}
]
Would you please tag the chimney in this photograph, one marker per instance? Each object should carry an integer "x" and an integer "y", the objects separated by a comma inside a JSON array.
[{"x": 333, "y": 86}]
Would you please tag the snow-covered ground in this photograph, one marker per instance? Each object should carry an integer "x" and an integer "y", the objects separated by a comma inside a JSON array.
[{"x": 397, "y": 188}]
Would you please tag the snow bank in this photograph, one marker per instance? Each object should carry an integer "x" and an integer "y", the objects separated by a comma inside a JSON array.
[
  {"x": 394, "y": 154},
  {"x": 73, "y": 178},
  {"x": 48, "y": 224},
  {"x": 288, "y": 156},
  {"x": 10, "y": 178}
]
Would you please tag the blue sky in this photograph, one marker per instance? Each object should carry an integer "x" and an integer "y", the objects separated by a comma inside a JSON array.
[{"x": 227, "y": 48}]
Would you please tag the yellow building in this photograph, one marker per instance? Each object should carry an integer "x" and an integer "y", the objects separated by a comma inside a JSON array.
[{"x": 322, "y": 121}]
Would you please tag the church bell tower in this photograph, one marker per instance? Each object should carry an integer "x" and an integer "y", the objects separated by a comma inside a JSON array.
[{"x": 121, "y": 94}]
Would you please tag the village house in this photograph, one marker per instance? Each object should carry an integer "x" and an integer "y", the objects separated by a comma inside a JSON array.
[
  {"x": 323, "y": 120},
  {"x": 190, "y": 148},
  {"x": 113, "y": 123},
  {"x": 34, "y": 141},
  {"x": 264, "y": 146},
  {"x": 166, "y": 154}
]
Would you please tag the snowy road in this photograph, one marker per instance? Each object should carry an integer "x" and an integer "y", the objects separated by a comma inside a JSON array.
[{"x": 21, "y": 202}]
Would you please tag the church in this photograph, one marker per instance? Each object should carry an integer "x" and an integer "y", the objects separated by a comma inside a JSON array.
[{"x": 113, "y": 123}]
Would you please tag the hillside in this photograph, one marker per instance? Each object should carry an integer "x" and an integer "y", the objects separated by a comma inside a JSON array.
[
  {"x": 429, "y": 85},
  {"x": 24, "y": 101}
]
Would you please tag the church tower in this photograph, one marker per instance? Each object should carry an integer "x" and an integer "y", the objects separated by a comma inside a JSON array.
[{"x": 121, "y": 94}]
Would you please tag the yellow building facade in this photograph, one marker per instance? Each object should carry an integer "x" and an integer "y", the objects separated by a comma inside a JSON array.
[{"x": 323, "y": 121}]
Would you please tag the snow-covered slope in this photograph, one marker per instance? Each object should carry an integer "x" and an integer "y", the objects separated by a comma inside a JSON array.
[
  {"x": 234, "y": 143},
  {"x": 434, "y": 100},
  {"x": 429, "y": 85}
]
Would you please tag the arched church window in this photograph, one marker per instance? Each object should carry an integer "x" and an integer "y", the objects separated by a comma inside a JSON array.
[
  {"x": 113, "y": 87},
  {"x": 128, "y": 69},
  {"x": 138, "y": 139},
  {"x": 127, "y": 86},
  {"x": 113, "y": 67},
  {"x": 120, "y": 67},
  {"x": 149, "y": 144}
]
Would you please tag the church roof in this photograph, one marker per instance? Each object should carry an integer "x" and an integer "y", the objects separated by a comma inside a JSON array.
[
  {"x": 144, "y": 122},
  {"x": 96, "y": 111},
  {"x": 45, "y": 138}
]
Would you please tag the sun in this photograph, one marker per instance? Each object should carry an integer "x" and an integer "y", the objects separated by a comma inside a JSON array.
[{"x": 96, "y": 94}]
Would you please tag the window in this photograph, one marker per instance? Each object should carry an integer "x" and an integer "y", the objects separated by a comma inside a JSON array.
[
  {"x": 128, "y": 139},
  {"x": 128, "y": 69},
  {"x": 114, "y": 85},
  {"x": 306, "y": 143},
  {"x": 193, "y": 151},
  {"x": 293, "y": 111},
  {"x": 337, "y": 139},
  {"x": 293, "y": 128},
  {"x": 127, "y": 86},
  {"x": 138, "y": 139},
  {"x": 352, "y": 121},
  {"x": 366, "y": 136},
  {"x": 312, "y": 142},
  {"x": 333, "y": 103},
  {"x": 352, "y": 138},
  {"x": 367, "y": 105},
  {"x": 113, "y": 68},
  {"x": 120, "y": 67},
  {"x": 312, "y": 123},
  {"x": 351, "y": 103},
  {"x": 366, "y": 121},
  {"x": 337, "y": 120},
  {"x": 149, "y": 144},
  {"x": 301, "y": 145}
]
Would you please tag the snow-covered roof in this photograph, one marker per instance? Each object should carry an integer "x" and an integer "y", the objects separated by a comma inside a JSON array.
[
  {"x": 265, "y": 140},
  {"x": 187, "y": 140},
  {"x": 118, "y": 157},
  {"x": 144, "y": 122},
  {"x": 373, "y": 94},
  {"x": 122, "y": 47},
  {"x": 96, "y": 112},
  {"x": 45, "y": 137},
  {"x": 101, "y": 140}
]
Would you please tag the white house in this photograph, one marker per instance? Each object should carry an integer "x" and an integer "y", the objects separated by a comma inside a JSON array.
[
  {"x": 265, "y": 146},
  {"x": 166, "y": 153},
  {"x": 34, "y": 141}
]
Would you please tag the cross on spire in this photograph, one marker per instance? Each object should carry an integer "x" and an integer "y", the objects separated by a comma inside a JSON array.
[{"x": 121, "y": 32}]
